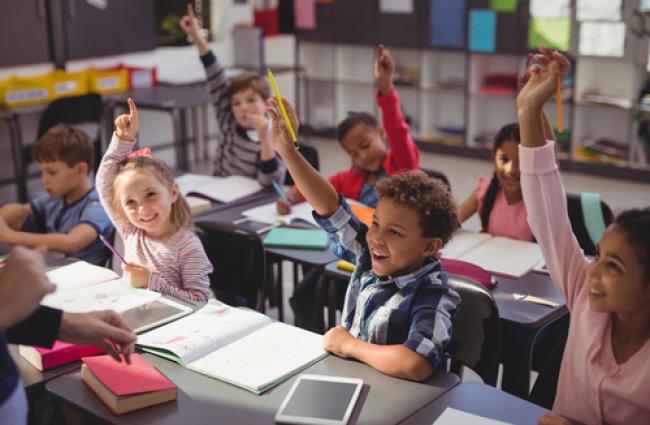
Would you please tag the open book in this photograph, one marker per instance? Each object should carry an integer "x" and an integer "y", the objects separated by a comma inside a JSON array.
[
  {"x": 500, "y": 256},
  {"x": 83, "y": 287},
  {"x": 238, "y": 346},
  {"x": 220, "y": 189},
  {"x": 268, "y": 213}
]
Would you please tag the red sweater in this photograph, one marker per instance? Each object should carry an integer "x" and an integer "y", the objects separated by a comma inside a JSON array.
[{"x": 402, "y": 155}]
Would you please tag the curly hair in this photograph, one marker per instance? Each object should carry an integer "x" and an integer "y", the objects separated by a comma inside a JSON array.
[
  {"x": 429, "y": 197},
  {"x": 66, "y": 144},
  {"x": 180, "y": 216}
]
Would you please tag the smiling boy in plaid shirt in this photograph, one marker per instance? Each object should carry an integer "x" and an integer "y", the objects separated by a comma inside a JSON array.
[{"x": 399, "y": 307}]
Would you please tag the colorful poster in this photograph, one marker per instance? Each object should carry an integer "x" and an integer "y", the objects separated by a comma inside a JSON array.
[
  {"x": 482, "y": 30},
  {"x": 552, "y": 33},
  {"x": 304, "y": 14},
  {"x": 447, "y": 18},
  {"x": 602, "y": 39},
  {"x": 507, "y": 6}
]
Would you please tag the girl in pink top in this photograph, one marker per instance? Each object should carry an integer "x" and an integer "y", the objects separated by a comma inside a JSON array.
[
  {"x": 605, "y": 373},
  {"x": 153, "y": 219},
  {"x": 498, "y": 200}
]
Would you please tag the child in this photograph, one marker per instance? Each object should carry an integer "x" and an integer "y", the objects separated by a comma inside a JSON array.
[
  {"x": 605, "y": 372},
  {"x": 499, "y": 201},
  {"x": 69, "y": 217},
  {"x": 363, "y": 139},
  {"x": 153, "y": 219},
  {"x": 398, "y": 308},
  {"x": 244, "y": 131}
]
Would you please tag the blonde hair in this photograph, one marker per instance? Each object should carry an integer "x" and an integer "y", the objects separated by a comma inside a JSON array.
[{"x": 180, "y": 215}]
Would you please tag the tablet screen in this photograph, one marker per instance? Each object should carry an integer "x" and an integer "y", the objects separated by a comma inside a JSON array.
[
  {"x": 153, "y": 314},
  {"x": 320, "y": 401}
]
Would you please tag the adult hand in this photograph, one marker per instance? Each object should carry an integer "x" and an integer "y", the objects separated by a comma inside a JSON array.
[
  {"x": 104, "y": 329},
  {"x": 23, "y": 284},
  {"x": 126, "y": 125}
]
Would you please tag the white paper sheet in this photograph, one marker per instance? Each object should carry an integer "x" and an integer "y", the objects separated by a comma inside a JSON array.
[
  {"x": 396, "y": 6},
  {"x": 602, "y": 39},
  {"x": 452, "y": 416},
  {"x": 208, "y": 329},
  {"x": 246, "y": 362},
  {"x": 550, "y": 9},
  {"x": 598, "y": 10},
  {"x": 222, "y": 189},
  {"x": 117, "y": 295},
  {"x": 268, "y": 213},
  {"x": 79, "y": 274}
]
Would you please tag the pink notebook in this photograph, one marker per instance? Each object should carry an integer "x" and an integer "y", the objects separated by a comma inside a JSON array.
[{"x": 61, "y": 353}]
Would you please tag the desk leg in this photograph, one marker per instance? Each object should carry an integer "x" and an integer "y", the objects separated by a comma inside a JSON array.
[
  {"x": 179, "y": 120},
  {"x": 196, "y": 134},
  {"x": 517, "y": 354},
  {"x": 204, "y": 126},
  {"x": 17, "y": 156}
]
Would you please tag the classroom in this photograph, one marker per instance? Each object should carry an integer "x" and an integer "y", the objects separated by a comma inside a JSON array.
[{"x": 325, "y": 212}]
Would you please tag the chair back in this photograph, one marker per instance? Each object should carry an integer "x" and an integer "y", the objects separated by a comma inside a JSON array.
[
  {"x": 578, "y": 224},
  {"x": 311, "y": 155},
  {"x": 237, "y": 255},
  {"x": 435, "y": 174},
  {"x": 476, "y": 339}
]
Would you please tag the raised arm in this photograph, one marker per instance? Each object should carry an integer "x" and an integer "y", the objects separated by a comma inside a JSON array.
[
  {"x": 126, "y": 129},
  {"x": 314, "y": 187},
  {"x": 190, "y": 25},
  {"x": 541, "y": 184},
  {"x": 404, "y": 151}
]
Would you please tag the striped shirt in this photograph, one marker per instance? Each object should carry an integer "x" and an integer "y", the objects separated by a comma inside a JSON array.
[
  {"x": 179, "y": 266},
  {"x": 415, "y": 310},
  {"x": 236, "y": 152}
]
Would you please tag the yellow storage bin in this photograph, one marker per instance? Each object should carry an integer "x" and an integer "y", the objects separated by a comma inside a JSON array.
[
  {"x": 25, "y": 91},
  {"x": 66, "y": 84},
  {"x": 109, "y": 80}
]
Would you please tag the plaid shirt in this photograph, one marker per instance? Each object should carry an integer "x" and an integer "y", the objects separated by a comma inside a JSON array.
[{"x": 414, "y": 309}]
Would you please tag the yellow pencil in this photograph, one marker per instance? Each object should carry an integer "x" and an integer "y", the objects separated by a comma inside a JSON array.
[
  {"x": 344, "y": 265},
  {"x": 558, "y": 104},
  {"x": 284, "y": 111}
]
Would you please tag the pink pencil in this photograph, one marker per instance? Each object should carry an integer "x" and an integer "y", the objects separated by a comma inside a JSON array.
[{"x": 113, "y": 250}]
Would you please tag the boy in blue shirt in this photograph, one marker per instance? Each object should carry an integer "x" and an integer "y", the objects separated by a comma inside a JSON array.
[
  {"x": 68, "y": 218},
  {"x": 398, "y": 307}
]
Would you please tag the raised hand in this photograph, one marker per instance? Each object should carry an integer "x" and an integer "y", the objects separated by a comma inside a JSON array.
[
  {"x": 126, "y": 125},
  {"x": 189, "y": 24},
  {"x": 279, "y": 132},
  {"x": 384, "y": 70},
  {"x": 543, "y": 78}
]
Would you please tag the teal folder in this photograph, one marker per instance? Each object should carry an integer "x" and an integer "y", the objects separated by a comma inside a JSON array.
[{"x": 286, "y": 237}]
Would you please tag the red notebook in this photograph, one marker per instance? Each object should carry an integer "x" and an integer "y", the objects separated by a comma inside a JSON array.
[
  {"x": 123, "y": 387},
  {"x": 61, "y": 353}
]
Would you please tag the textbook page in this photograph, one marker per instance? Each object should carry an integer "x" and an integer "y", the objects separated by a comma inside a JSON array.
[
  {"x": 461, "y": 242},
  {"x": 505, "y": 256},
  {"x": 451, "y": 416},
  {"x": 263, "y": 358},
  {"x": 78, "y": 275},
  {"x": 221, "y": 189},
  {"x": 206, "y": 330},
  {"x": 268, "y": 213},
  {"x": 116, "y": 295}
]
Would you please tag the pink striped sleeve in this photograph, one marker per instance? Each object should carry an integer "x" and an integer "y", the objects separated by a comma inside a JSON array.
[
  {"x": 548, "y": 219},
  {"x": 194, "y": 270}
]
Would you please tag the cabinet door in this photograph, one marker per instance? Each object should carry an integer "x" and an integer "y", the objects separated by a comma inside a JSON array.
[
  {"x": 135, "y": 25},
  {"x": 90, "y": 28},
  {"x": 28, "y": 19},
  {"x": 356, "y": 21}
]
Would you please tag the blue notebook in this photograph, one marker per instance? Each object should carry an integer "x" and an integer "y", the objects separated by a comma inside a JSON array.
[{"x": 286, "y": 237}]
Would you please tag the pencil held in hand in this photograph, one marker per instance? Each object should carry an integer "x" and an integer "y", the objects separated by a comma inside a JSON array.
[
  {"x": 282, "y": 108},
  {"x": 558, "y": 104},
  {"x": 112, "y": 248}
]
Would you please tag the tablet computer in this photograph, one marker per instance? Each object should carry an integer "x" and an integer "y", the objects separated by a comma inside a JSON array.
[
  {"x": 156, "y": 313},
  {"x": 319, "y": 400}
]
